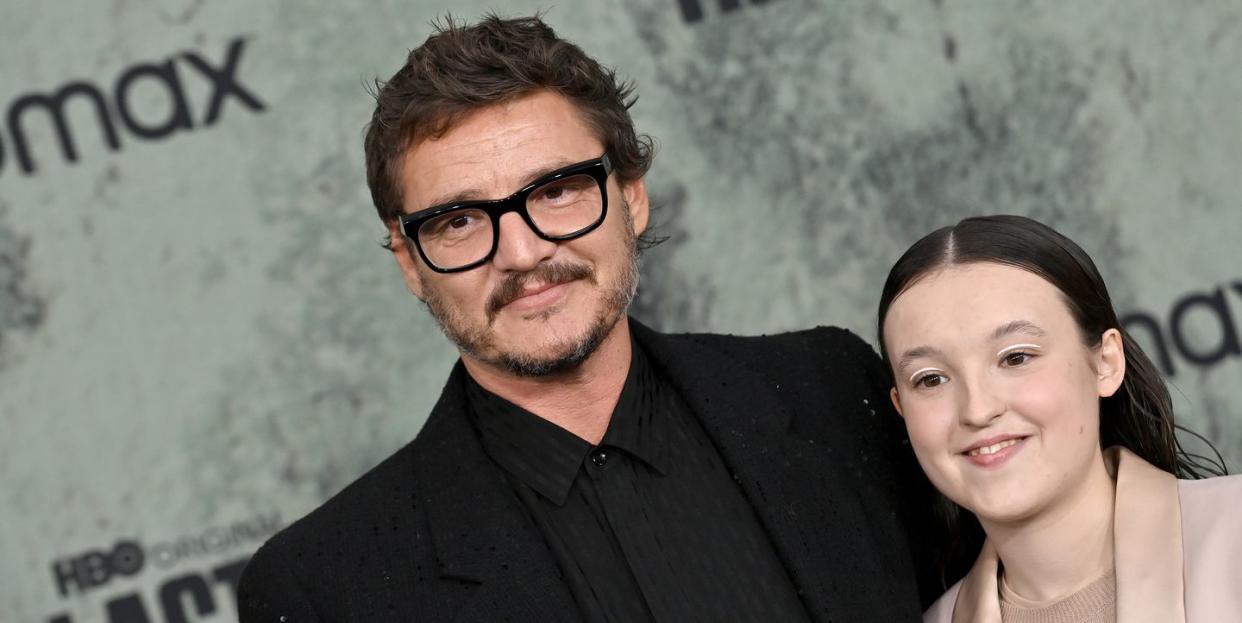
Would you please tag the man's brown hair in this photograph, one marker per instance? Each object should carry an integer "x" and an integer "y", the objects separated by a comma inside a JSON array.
[{"x": 460, "y": 69}]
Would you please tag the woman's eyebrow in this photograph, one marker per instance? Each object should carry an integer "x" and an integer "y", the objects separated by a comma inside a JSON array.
[
  {"x": 917, "y": 352},
  {"x": 1025, "y": 327}
]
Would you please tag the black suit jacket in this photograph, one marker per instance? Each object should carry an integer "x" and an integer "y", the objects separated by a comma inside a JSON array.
[{"x": 434, "y": 533}]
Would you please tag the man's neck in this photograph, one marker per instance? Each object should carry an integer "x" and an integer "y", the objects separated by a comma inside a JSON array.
[
  {"x": 581, "y": 400},
  {"x": 1065, "y": 548}
]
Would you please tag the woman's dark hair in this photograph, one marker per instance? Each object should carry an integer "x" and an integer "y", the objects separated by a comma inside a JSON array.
[{"x": 1139, "y": 416}]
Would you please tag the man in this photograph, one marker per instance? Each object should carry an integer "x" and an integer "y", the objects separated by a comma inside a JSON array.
[{"x": 579, "y": 466}]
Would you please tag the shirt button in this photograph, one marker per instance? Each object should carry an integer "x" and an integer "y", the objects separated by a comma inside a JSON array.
[{"x": 599, "y": 458}]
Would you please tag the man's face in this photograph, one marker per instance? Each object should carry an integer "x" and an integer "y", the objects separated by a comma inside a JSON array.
[{"x": 537, "y": 307}]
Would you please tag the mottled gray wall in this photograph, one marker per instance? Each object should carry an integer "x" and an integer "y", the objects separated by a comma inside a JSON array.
[{"x": 199, "y": 336}]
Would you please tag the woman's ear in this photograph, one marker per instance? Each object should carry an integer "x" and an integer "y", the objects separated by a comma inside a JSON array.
[
  {"x": 892, "y": 395},
  {"x": 1110, "y": 363}
]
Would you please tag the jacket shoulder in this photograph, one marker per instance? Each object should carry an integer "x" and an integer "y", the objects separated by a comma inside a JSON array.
[
  {"x": 1211, "y": 505},
  {"x": 342, "y": 547},
  {"x": 818, "y": 342},
  {"x": 1210, "y": 509},
  {"x": 800, "y": 336},
  {"x": 1211, "y": 547},
  {"x": 825, "y": 366},
  {"x": 386, "y": 487}
]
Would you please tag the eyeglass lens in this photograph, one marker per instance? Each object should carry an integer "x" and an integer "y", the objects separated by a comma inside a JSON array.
[{"x": 559, "y": 208}]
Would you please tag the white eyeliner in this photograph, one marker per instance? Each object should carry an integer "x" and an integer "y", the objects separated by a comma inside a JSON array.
[
  {"x": 1009, "y": 348},
  {"x": 920, "y": 371}
]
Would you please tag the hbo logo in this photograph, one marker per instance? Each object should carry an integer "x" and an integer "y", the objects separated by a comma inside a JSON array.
[{"x": 95, "y": 568}]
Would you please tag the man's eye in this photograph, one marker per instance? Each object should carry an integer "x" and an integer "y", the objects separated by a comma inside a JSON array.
[
  {"x": 568, "y": 191},
  {"x": 455, "y": 225}
]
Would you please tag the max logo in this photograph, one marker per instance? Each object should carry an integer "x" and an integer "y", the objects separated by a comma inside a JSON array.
[
  {"x": 1212, "y": 307},
  {"x": 221, "y": 77}
]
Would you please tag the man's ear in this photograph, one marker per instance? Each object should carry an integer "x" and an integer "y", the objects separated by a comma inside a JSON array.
[
  {"x": 404, "y": 252},
  {"x": 892, "y": 395},
  {"x": 1110, "y": 363},
  {"x": 635, "y": 194}
]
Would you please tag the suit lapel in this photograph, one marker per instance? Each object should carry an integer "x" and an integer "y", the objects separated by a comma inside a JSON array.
[
  {"x": 480, "y": 531},
  {"x": 790, "y": 481},
  {"x": 1147, "y": 541},
  {"x": 978, "y": 597}
]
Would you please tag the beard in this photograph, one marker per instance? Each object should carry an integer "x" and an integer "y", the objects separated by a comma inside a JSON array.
[{"x": 568, "y": 352}]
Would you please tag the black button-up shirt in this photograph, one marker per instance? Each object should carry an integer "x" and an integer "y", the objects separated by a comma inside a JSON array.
[{"x": 649, "y": 524}]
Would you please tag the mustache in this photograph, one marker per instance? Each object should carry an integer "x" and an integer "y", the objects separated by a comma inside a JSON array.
[{"x": 554, "y": 274}]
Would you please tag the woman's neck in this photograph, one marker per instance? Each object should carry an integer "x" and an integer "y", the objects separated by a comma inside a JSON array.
[{"x": 1064, "y": 547}]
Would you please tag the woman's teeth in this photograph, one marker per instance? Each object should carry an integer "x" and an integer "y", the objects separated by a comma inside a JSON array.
[{"x": 994, "y": 448}]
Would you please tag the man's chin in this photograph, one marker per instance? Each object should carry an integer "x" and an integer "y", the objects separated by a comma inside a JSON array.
[
  {"x": 554, "y": 353},
  {"x": 540, "y": 366}
]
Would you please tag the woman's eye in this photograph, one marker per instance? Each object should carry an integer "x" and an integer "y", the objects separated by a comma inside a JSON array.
[
  {"x": 1016, "y": 359},
  {"x": 930, "y": 380}
]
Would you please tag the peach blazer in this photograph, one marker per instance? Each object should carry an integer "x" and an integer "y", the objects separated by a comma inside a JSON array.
[{"x": 1177, "y": 545}]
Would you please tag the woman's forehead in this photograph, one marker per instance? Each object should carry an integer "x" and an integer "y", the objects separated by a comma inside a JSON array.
[{"x": 973, "y": 302}]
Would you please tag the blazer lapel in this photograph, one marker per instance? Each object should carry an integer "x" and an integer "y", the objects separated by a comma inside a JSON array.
[
  {"x": 793, "y": 484},
  {"x": 978, "y": 596},
  {"x": 1147, "y": 537},
  {"x": 480, "y": 531}
]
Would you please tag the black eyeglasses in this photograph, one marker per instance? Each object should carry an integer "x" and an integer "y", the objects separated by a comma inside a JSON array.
[{"x": 559, "y": 206}]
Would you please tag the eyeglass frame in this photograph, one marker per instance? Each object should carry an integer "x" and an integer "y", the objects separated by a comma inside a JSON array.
[{"x": 598, "y": 168}]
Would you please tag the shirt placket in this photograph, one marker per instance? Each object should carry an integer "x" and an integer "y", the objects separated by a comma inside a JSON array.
[{"x": 620, "y": 483}]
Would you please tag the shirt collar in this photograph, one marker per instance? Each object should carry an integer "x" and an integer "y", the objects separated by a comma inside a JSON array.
[
  {"x": 639, "y": 422},
  {"x": 537, "y": 452},
  {"x": 547, "y": 457}
]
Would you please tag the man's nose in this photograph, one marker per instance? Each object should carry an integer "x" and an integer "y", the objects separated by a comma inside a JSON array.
[
  {"x": 519, "y": 248},
  {"x": 982, "y": 404}
]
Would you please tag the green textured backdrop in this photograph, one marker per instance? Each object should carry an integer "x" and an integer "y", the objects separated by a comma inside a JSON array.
[{"x": 199, "y": 335}]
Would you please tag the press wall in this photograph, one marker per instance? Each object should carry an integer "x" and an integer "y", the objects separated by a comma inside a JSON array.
[{"x": 200, "y": 338}]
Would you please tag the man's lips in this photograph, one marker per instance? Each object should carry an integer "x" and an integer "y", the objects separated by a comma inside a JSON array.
[
  {"x": 535, "y": 284},
  {"x": 536, "y": 296}
]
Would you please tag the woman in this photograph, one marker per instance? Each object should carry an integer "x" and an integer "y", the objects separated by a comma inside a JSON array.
[{"x": 1028, "y": 405}]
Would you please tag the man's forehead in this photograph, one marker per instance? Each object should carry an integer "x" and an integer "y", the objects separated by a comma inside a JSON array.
[{"x": 496, "y": 149}]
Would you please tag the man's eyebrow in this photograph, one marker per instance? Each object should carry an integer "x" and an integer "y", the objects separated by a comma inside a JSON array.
[
  {"x": 917, "y": 352},
  {"x": 1018, "y": 326},
  {"x": 474, "y": 194}
]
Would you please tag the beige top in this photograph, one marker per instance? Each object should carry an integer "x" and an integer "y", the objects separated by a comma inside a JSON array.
[{"x": 1094, "y": 603}]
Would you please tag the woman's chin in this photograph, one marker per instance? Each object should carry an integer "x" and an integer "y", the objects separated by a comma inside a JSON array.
[{"x": 1001, "y": 509}]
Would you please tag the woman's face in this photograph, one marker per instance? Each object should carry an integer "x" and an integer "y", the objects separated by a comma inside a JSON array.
[{"x": 998, "y": 391}]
